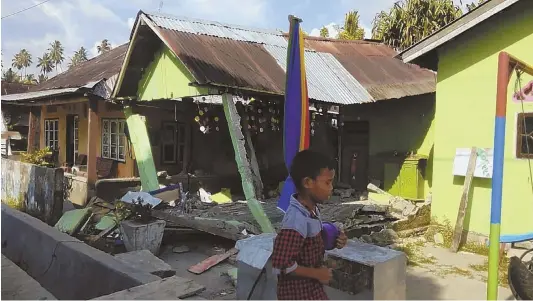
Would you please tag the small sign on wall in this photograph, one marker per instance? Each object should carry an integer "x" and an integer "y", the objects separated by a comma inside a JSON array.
[{"x": 485, "y": 157}]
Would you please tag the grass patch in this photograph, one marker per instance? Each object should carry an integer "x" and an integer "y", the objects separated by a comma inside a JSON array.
[
  {"x": 502, "y": 270},
  {"x": 456, "y": 271},
  {"x": 414, "y": 255},
  {"x": 15, "y": 203}
]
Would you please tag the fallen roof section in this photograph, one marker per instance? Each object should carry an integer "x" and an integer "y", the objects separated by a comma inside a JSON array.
[{"x": 455, "y": 28}]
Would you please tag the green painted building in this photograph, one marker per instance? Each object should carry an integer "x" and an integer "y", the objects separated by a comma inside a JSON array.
[{"x": 465, "y": 56}]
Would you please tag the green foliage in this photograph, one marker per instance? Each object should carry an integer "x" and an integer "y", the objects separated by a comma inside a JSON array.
[
  {"x": 324, "y": 32},
  {"x": 37, "y": 157},
  {"x": 351, "y": 29}
]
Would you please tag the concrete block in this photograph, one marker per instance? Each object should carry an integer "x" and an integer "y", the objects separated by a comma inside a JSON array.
[
  {"x": 141, "y": 236},
  {"x": 145, "y": 261}
]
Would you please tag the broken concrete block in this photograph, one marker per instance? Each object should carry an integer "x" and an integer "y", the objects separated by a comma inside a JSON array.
[
  {"x": 142, "y": 236},
  {"x": 180, "y": 249},
  {"x": 438, "y": 238},
  {"x": 384, "y": 237},
  {"x": 145, "y": 261}
]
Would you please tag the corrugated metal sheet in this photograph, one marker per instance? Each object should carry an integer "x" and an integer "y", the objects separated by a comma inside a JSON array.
[
  {"x": 10, "y": 88},
  {"x": 214, "y": 60},
  {"x": 37, "y": 94},
  {"x": 376, "y": 68},
  {"x": 327, "y": 79},
  {"x": 216, "y": 29},
  {"x": 94, "y": 70}
]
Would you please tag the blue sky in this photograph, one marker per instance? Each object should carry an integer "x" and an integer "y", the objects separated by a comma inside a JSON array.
[{"x": 86, "y": 22}]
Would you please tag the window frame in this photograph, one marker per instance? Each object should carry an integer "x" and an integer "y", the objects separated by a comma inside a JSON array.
[
  {"x": 47, "y": 130},
  {"x": 179, "y": 142},
  {"x": 120, "y": 137},
  {"x": 519, "y": 134}
]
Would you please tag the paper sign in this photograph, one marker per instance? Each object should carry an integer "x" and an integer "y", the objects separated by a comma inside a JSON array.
[{"x": 485, "y": 157}]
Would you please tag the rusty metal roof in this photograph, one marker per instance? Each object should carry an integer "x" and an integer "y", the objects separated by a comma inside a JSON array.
[
  {"x": 233, "y": 56},
  {"x": 374, "y": 65},
  {"x": 94, "y": 70},
  {"x": 12, "y": 88}
]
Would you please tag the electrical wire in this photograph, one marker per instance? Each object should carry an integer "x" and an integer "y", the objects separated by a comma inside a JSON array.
[{"x": 25, "y": 9}]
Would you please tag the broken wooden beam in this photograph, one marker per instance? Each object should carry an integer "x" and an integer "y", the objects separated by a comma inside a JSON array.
[
  {"x": 210, "y": 262},
  {"x": 234, "y": 124}
]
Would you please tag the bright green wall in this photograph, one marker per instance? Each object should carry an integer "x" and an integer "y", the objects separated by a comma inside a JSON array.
[
  {"x": 465, "y": 109},
  {"x": 166, "y": 77},
  {"x": 401, "y": 125}
]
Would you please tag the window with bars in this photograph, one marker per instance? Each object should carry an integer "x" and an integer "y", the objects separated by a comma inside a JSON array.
[
  {"x": 524, "y": 141},
  {"x": 173, "y": 142},
  {"x": 51, "y": 133},
  {"x": 76, "y": 137},
  {"x": 114, "y": 139}
]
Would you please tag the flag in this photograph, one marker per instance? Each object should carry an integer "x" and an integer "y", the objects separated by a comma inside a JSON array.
[{"x": 296, "y": 118}]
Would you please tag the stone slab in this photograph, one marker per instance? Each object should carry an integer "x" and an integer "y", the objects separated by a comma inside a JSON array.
[
  {"x": 145, "y": 261},
  {"x": 171, "y": 288}
]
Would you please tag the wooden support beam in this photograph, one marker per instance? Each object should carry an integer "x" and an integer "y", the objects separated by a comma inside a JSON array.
[
  {"x": 256, "y": 175},
  {"x": 463, "y": 205},
  {"x": 34, "y": 121},
  {"x": 93, "y": 135},
  {"x": 234, "y": 124}
]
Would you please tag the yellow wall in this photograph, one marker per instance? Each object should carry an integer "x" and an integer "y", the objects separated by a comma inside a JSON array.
[
  {"x": 79, "y": 106},
  {"x": 465, "y": 110}
]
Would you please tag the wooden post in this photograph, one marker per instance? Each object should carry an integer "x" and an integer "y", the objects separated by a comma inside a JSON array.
[
  {"x": 93, "y": 135},
  {"x": 256, "y": 176},
  {"x": 33, "y": 126},
  {"x": 234, "y": 125},
  {"x": 463, "y": 205}
]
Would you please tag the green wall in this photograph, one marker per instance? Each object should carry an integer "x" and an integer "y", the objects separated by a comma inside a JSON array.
[
  {"x": 465, "y": 109},
  {"x": 166, "y": 77},
  {"x": 401, "y": 125}
]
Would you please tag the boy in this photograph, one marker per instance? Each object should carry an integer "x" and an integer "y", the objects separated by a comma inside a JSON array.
[{"x": 298, "y": 255}]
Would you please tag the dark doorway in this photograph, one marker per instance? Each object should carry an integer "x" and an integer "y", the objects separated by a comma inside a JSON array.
[
  {"x": 355, "y": 154},
  {"x": 72, "y": 133}
]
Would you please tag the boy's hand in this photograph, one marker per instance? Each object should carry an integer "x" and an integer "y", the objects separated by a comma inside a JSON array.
[
  {"x": 341, "y": 240},
  {"x": 323, "y": 275}
]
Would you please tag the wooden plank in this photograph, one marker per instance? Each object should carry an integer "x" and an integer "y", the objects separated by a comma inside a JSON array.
[
  {"x": 234, "y": 124},
  {"x": 463, "y": 205},
  {"x": 211, "y": 261},
  {"x": 143, "y": 152},
  {"x": 165, "y": 289}
]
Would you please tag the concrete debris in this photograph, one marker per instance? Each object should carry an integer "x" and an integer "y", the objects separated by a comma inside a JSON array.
[
  {"x": 145, "y": 261},
  {"x": 438, "y": 238},
  {"x": 181, "y": 249},
  {"x": 162, "y": 174},
  {"x": 382, "y": 238}
]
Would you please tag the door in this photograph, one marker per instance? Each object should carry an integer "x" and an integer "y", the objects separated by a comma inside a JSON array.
[
  {"x": 355, "y": 154},
  {"x": 72, "y": 139}
]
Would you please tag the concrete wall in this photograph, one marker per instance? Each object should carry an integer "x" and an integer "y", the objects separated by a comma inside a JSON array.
[
  {"x": 66, "y": 267},
  {"x": 400, "y": 125},
  {"x": 465, "y": 110},
  {"x": 40, "y": 188}
]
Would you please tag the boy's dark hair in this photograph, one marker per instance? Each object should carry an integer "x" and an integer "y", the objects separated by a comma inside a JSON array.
[{"x": 308, "y": 163}]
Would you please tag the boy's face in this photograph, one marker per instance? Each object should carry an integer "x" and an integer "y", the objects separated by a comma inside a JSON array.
[{"x": 321, "y": 187}]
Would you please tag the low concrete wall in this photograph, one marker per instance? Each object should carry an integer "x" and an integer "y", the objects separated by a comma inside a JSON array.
[
  {"x": 68, "y": 268},
  {"x": 78, "y": 189},
  {"x": 40, "y": 188}
]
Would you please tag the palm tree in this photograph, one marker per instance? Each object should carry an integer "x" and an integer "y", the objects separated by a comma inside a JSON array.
[
  {"x": 25, "y": 59},
  {"x": 351, "y": 29},
  {"x": 56, "y": 53},
  {"x": 324, "y": 32},
  {"x": 42, "y": 78},
  {"x": 30, "y": 79},
  {"x": 409, "y": 21},
  {"x": 78, "y": 57},
  {"x": 17, "y": 62},
  {"x": 45, "y": 63},
  {"x": 10, "y": 76},
  {"x": 104, "y": 46},
  {"x": 473, "y": 5}
]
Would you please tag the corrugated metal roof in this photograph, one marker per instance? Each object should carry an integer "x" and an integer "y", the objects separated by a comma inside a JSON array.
[
  {"x": 327, "y": 79},
  {"x": 214, "y": 60},
  {"x": 10, "y": 88},
  {"x": 374, "y": 65},
  {"x": 37, "y": 94},
  {"x": 217, "y": 29}
]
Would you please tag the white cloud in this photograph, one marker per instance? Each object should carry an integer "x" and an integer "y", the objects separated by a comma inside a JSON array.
[
  {"x": 131, "y": 22},
  {"x": 333, "y": 30}
]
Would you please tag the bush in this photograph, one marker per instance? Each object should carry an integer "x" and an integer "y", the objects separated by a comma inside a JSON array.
[{"x": 37, "y": 157}]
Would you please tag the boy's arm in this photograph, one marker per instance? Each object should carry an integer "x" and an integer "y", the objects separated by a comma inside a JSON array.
[{"x": 287, "y": 245}]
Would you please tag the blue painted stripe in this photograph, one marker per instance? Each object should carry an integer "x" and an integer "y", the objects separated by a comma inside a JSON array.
[
  {"x": 497, "y": 171},
  {"x": 516, "y": 237}
]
